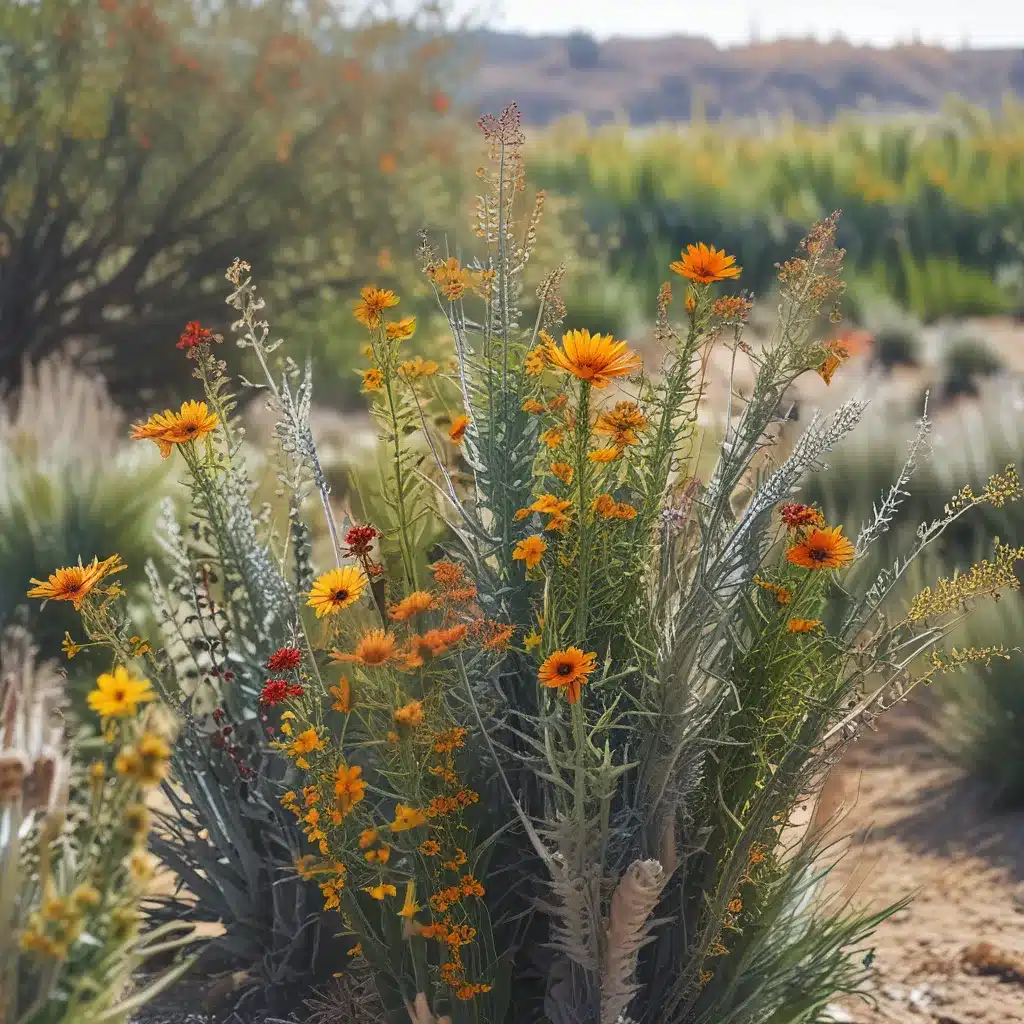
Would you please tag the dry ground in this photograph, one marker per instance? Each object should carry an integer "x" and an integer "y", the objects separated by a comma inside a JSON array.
[{"x": 956, "y": 954}]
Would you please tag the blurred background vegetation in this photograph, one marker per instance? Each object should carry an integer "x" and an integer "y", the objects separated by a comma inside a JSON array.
[{"x": 145, "y": 145}]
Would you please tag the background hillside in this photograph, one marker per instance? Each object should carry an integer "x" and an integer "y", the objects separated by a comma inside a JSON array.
[{"x": 643, "y": 81}]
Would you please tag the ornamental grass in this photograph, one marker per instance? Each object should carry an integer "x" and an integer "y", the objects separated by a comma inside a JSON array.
[{"x": 547, "y": 767}]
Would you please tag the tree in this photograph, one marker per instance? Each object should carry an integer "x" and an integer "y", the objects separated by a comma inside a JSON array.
[
  {"x": 144, "y": 146},
  {"x": 584, "y": 51}
]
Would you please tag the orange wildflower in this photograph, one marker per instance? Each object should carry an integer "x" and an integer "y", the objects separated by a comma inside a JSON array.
[
  {"x": 75, "y": 582},
  {"x": 822, "y": 549},
  {"x": 375, "y": 647},
  {"x": 416, "y": 603},
  {"x": 705, "y": 264},
  {"x": 349, "y": 787},
  {"x": 410, "y": 714},
  {"x": 530, "y": 550},
  {"x": 369, "y": 310},
  {"x": 596, "y": 358},
  {"x": 568, "y": 669}
]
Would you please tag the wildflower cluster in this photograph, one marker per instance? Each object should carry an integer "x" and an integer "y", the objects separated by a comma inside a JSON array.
[
  {"x": 77, "y": 920},
  {"x": 561, "y": 693}
]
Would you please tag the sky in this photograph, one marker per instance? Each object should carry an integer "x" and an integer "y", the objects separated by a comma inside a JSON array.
[{"x": 951, "y": 23}]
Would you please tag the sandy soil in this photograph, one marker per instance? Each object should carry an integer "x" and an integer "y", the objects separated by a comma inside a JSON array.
[{"x": 956, "y": 954}]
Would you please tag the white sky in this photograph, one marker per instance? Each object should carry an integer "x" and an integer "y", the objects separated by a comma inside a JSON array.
[{"x": 988, "y": 23}]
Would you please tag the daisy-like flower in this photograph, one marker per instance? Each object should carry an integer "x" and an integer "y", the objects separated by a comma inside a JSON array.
[
  {"x": 402, "y": 330},
  {"x": 530, "y": 550},
  {"x": 458, "y": 429},
  {"x": 413, "y": 369},
  {"x": 450, "y": 278},
  {"x": 622, "y": 424},
  {"x": 822, "y": 549},
  {"x": 417, "y": 602},
  {"x": 705, "y": 264},
  {"x": 597, "y": 358},
  {"x": 192, "y": 422},
  {"x": 146, "y": 762},
  {"x": 74, "y": 582},
  {"x": 349, "y": 787},
  {"x": 802, "y": 625},
  {"x": 407, "y": 818},
  {"x": 552, "y": 437},
  {"x": 608, "y": 454},
  {"x": 375, "y": 647},
  {"x": 373, "y": 379},
  {"x": 118, "y": 694},
  {"x": 370, "y": 308},
  {"x": 531, "y": 405},
  {"x": 336, "y": 590},
  {"x": 535, "y": 361},
  {"x": 410, "y": 714},
  {"x": 563, "y": 471},
  {"x": 306, "y": 742},
  {"x": 284, "y": 658},
  {"x": 568, "y": 669}
]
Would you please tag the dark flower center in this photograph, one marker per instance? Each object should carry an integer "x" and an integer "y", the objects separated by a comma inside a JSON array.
[
  {"x": 119, "y": 695},
  {"x": 565, "y": 669},
  {"x": 817, "y": 554},
  {"x": 341, "y": 595}
]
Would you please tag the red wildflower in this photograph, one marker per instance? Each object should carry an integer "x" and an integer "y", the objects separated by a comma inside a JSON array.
[
  {"x": 795, "y": 515},
  {"x": 360, "y": 539},
  {"x": 276, "y": 691},
  {"x": 284, "y": 658},
  {"x": 193, "y": 335}
]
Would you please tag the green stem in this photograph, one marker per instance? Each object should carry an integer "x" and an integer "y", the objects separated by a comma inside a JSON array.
[
  {"x": 408, "y": 562},
  {"x": 583, "y": 470}
]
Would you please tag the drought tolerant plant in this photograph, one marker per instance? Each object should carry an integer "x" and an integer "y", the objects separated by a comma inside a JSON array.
[
  {"x": 550, "y": 771},
  {"x": 73, "y": 836},
  {"x": 71, "y": 484},
  {"x": 980, "y": 722}
]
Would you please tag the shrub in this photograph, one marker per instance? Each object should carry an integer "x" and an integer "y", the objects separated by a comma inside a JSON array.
[
  {"x": 71, "y": 484},
  {"x": 583, "y": 51},
  {"x": 965, "y": 361},
  {"x": 552, "y": 773},
  {"x": 981, "y": 719},
  {"x": 895, "y": 346},
  {"x": 73, "y": 861},
  {"x": 143, "y": 144}
]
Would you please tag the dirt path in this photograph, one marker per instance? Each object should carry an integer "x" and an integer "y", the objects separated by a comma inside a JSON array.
[{"x": 956, "y": 955}]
